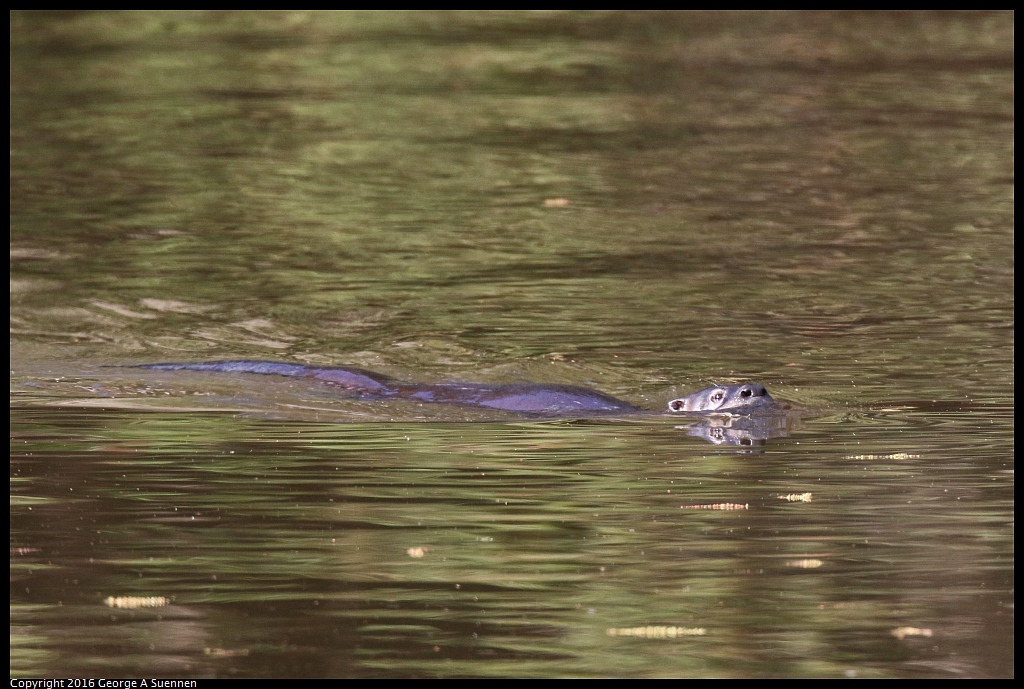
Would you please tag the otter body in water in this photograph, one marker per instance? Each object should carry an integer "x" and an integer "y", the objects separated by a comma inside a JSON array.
[{"x": 535, "y": 398}]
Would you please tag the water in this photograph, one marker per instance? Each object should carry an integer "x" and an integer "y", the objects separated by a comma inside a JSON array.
[{"x": 639, "y": 202}]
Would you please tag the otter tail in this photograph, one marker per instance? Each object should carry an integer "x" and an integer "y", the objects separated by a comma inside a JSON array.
[{"x": 349, "y": 378}]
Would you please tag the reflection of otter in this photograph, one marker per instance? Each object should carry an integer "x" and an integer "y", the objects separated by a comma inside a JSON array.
[
  {"x": 526, "y": 398},
  {"x": 750, "y": 429}
]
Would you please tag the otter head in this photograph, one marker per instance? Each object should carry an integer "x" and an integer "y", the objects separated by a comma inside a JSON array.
[{"x": 735, "y": 398}]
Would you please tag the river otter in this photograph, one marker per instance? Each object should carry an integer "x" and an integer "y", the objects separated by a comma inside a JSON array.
[
  {"x": 723, "y": 397},
  {"x": 532, "y": 398}
]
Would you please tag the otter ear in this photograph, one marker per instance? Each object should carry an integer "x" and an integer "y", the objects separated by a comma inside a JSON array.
[{"x": 677, "y": 405}]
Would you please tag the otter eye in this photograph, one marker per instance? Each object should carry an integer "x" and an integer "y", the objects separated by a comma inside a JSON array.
[
  {"x": 718, "y": 396},
  {"x": 746, "y": 392}
]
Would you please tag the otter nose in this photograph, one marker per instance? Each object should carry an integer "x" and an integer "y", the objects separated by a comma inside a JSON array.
[{"x": 753, "y": 391}]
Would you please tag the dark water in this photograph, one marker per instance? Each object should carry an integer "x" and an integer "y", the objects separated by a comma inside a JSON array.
[{"x": 639, "y": 202}]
